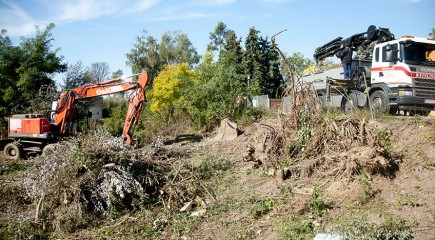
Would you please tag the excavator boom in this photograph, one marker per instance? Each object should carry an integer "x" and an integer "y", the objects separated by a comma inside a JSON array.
[
  {"x": 137, "y": 98},
  {"x": 64, "y": 113}
]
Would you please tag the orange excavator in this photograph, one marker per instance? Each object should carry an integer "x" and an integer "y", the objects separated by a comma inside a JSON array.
[{"x": 33, "y": 133}]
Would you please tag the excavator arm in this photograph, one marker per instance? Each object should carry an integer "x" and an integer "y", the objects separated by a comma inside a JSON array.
[
  {"x": 65, "y": 111},
  {"x": 137, "y": 98}
]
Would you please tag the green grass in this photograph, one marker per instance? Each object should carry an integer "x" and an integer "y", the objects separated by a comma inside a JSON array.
[
  {"x": 295, "y": 228},
  {"x": 358, "y": 227}
]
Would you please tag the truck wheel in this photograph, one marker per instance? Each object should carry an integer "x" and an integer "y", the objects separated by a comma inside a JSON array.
[
  {"x": 349, "y": 103},
  {"x": 48, "y": 149},
  {"x": 12, "y": 151},
  {"x": 379, "y": 102}
]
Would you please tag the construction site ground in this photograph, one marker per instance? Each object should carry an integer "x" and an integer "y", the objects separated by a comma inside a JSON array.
[{"x": 242, "y": 198}]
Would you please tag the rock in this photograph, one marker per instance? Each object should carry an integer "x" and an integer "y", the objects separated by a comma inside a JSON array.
[
  {"x": 279, "y": 175},
  {"x": 187, "y": 207},
  {"x": 228, "y": 131},
  {"x": 198, "y": 213}
]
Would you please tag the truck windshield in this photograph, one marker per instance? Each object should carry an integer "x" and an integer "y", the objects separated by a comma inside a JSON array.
[{"x": 419, "y": 54}]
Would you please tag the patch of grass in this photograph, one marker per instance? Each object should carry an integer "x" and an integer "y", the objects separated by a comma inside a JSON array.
[
  {"x": 207, "y": 168},
  {"x": 295, "y": 228},
  {"x": 316, "y": 204},
  {"x": 21, "y": 230},
  {"x": 12, "y": 167},
  {"x": 430, "y": 137},
  {"x": 358, "y": 227},
  {"x": 385, "y": 139},
  {"x": 406, "y": 202},
  {"x": 261, "y": 207},
  {"x": 226, "y": 206},
  {"x": 183, "y": 224},
  {"x": 367, "y": 191}
]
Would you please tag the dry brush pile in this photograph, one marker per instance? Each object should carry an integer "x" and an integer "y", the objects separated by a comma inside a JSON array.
[
  {"x": 308, "y": 141},
  {"x": 92, "y": 178}
]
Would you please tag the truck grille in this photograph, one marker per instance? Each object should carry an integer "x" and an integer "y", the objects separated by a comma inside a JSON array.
[{"x": 424, "y": 88}]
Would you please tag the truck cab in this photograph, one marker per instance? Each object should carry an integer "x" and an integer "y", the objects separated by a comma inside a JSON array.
[{"x": 405, "y": 73}]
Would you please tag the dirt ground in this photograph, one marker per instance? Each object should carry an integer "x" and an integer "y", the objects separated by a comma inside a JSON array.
[
  {"x": 249, "y": 201},
  {"x": 406, "y": 195}
]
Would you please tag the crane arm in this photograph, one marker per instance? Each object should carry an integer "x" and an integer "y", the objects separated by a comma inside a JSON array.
[{"x": 372, "y": 34}]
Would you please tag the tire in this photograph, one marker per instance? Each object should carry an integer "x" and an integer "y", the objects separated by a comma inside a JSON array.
[
  {"x": 379, "y": 102},
  {"x": 48, "y": 149},
  {"x": 349, "y": 103},
  {"x": 12, "y": 151}
]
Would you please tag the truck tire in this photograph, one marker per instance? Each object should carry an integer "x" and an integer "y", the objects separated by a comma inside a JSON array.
[
  {"x": 379, "y": 102},
  {"x": 48, "y": 149},
  {"x": 349, "y": 103},
  {"x": 12, "y": 151}
]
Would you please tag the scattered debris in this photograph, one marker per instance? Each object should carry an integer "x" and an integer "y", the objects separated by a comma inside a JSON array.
[{"x": 187, "y": 207}]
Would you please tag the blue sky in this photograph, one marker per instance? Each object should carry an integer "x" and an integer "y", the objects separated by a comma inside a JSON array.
[{"x": 105, "y": 30}]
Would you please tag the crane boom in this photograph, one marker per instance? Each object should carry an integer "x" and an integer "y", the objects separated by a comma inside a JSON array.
[{"x": 372, "y": 34}]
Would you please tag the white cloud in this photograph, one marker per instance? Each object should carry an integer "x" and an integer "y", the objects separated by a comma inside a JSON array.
[
  {"x": 16, "y": 21},
  {"x": 211, "y": 3},
  {"x": 181, "y": 17},
  {"x": 143, "y": 5},
  {"x": 274, "y": 1},
  {"x": 90, "y": 9},
  {"x": 85, "y": 9}
]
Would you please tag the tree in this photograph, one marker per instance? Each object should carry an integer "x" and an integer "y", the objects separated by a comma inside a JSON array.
[
  {"x": 74, "y": 76},
  {"x": 174, "y": 48},
  {"x": 432, "y": 33},
  {"x": 117, "y": 74},
  {"x": 218, "y": 37},
  {"x": 299, "y": 63},
  {"x": 167, "y": 93},
  {"x": 10, "y": 58},
  {"x": 26, "y": 69},
  {"x": 38, "y": 63},
  {"x": 144, "y": 55},
  {"x": 98, "y": 72},
  {"x": 218, "y": 91},
  {"x": 261, "y": 65}
]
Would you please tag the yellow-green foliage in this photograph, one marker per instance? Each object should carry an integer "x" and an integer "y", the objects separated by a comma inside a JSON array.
[{"x": 168, "y": 87}]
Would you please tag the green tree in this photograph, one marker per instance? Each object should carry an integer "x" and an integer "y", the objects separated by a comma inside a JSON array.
[
  {"x": 176, "y": 48},
  {"x": 218, "y": 37},
  {"x": 28, "y": 68},
  {"x": 299, "y": 64},
  {"x": 219, "y": 90},
  {"x": 74, "y": 76},
  {"x": 432, "y": 33},
  {"x": 261, "y": 65},
  {"x": 118, "y": 73},
  {"x": 10, "y": 58},
  {"x": 145, "y": 55}
]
